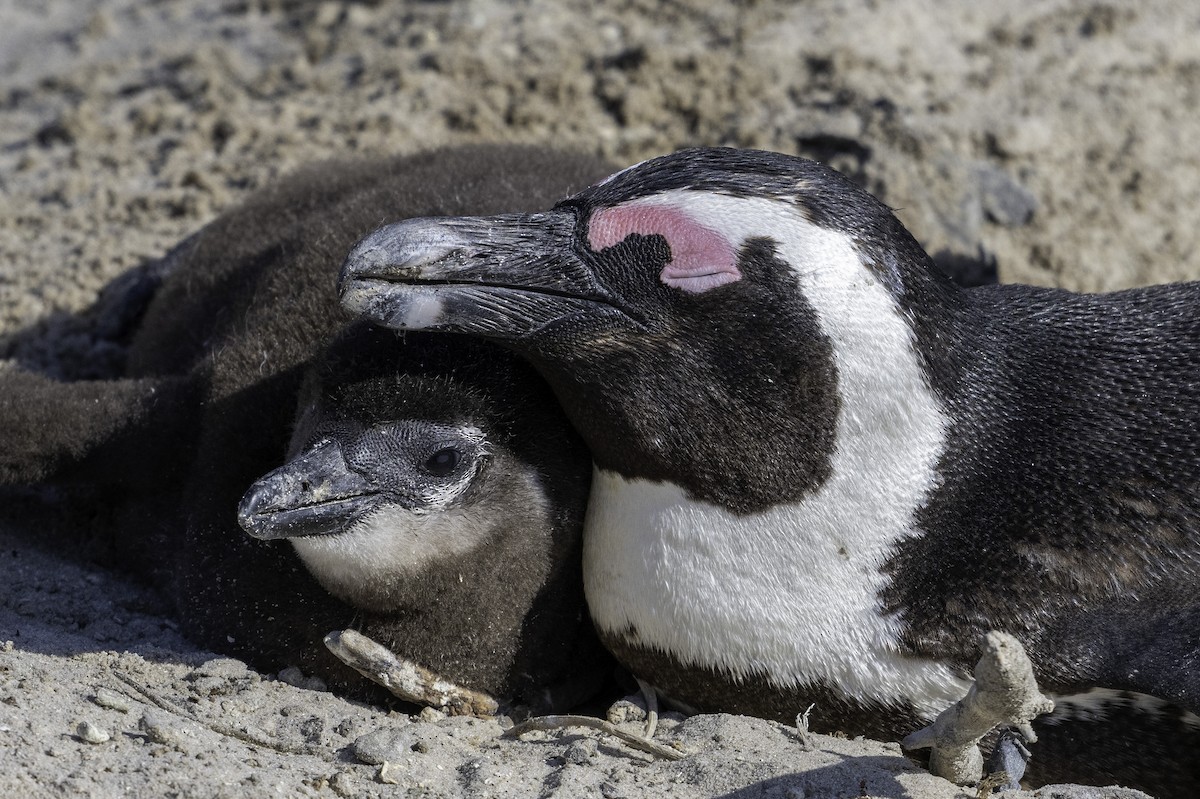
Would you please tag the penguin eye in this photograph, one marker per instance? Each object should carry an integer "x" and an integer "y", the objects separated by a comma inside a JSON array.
[{"x": 443, "y": 462}]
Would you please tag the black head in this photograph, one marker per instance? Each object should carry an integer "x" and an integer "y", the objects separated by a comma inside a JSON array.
[{"x": 708, "y": 291}]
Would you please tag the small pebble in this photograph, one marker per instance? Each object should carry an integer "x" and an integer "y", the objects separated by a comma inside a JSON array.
[
  {"x": 295, "y": 678},
  {"x": 161, "y": 728},
  {"x": 221, "y": 667},
  {"x": 380, "y": 746},
  {"x": 89, "y": 732},
  {"x": 344, "y": 784},
  {"x": 112, "y": 700},
  {"x": 390, "y": 774},
  {"x": 431, "y": 715},
  {"x": 580, "y": 752},
  {"x": 627, "y": 710}
]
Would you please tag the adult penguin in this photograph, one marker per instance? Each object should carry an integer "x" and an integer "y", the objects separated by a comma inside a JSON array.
[
  {"x": 822, "y": 470},
  {"x": 237, "y": 339}
]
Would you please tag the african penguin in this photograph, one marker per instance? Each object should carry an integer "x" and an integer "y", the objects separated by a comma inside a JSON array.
[
  {"x": 822, "y": 470},
  {"x": 242, "y": 327}
]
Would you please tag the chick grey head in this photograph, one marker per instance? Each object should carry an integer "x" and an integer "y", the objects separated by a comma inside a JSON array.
[{"x": 407, "y": 461}]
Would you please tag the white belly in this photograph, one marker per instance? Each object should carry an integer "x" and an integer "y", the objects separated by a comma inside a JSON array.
[{"x": 766, "y": 593}]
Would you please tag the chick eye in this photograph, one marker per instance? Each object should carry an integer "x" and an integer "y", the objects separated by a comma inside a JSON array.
[{"x": 443, "y": 462}]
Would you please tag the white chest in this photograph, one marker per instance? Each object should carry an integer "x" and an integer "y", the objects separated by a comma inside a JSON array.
[{"x": 770, "y": 594}]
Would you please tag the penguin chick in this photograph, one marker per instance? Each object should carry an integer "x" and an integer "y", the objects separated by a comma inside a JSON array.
[
  {"x": 370, "y": 500},
  {"x": 435, "y": 485},
  {"x": 370, "y": 506},
  {"x": 245, "y": 317},
  {"x": 822, "y": 471}
]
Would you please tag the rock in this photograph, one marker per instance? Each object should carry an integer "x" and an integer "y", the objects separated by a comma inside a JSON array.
[
  {"x": 164, "y": 729},
  {"x": 382, "y": 746},
  {"x": 111, "y": 700},
  {"x": 296, "y": 678},
  {"x": 580, "y": 752},
  {"x": 629, "y": 709},
  {"x": 1004, "y": 201},
  {"x": 89, "y": 732}
]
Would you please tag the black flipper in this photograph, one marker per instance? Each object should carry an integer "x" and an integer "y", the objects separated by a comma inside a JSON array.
[
  {"x": 49, "y": 427},
  {"x": 1141, "y": 726}
]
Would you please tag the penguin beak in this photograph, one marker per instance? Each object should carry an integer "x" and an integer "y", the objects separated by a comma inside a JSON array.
[
  {"x": 315, "y": 494},
  {"x": 505, "y": 277}
]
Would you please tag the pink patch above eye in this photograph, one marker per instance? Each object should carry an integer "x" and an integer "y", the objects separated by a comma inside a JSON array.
[{"x": 701, "y": 258}]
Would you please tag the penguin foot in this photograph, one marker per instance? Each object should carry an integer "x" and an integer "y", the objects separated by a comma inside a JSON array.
[
  {"x": 1008, "y": 760},
  {"x": 1005, "y": 693},
  {"x": 405, "y": 679}
]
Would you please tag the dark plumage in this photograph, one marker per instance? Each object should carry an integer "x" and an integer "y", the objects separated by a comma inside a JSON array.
[
  {"x": 244, "y": 328},
  {"x": 823, "y": 470}
]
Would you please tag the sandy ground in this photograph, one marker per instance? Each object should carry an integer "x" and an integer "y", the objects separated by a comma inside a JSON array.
[{"x": 1058, "y": 138}]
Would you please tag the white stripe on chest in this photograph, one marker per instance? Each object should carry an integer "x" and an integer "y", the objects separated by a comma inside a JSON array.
[{"x": 790, "y": 592}]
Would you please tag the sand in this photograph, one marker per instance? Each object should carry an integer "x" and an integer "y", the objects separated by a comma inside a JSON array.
[{"x": 1057, "y": 138}]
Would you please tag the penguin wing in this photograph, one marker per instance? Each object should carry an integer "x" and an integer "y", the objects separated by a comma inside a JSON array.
[
  {"x": 1162, "y": 657},
  {"x": 117, "y": 313},
  {"x": 47, "y": 426},
  {"x": 1149, "y": 646}
]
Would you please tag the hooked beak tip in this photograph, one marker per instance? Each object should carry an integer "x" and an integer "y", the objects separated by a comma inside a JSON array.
[{"x": 401, "y": 250}]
